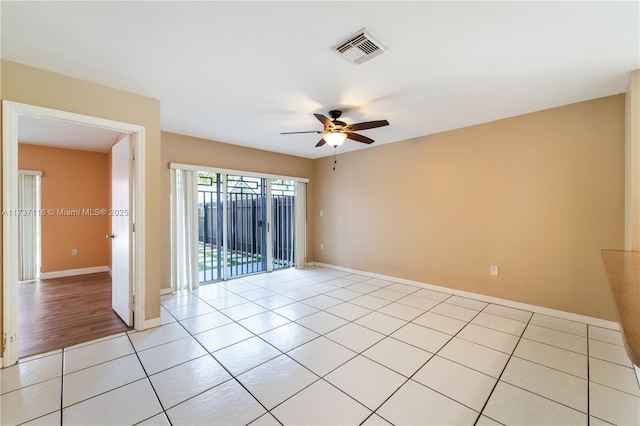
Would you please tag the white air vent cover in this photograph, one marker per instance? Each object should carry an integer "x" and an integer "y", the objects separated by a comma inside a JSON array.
[{"x": 360, "y": 47}]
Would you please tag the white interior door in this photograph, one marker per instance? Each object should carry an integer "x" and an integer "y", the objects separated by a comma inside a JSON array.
[{"x": 121, "y": 227}]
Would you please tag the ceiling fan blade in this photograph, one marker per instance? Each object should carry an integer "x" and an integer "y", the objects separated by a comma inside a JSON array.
[
  {"x": 322, "y": 142},
  {"x": 324, "y": 120},
  {"x": 293, "y": 133},
  {"x": 367, "y": 125},
  {"x": 359, "y": 138}
]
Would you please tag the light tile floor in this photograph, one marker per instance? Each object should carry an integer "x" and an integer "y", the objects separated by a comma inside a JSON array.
[{"x": 320, "y": 346}]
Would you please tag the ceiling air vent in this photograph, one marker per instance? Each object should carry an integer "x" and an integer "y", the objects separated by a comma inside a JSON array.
[{"x": 360, "y": 47}]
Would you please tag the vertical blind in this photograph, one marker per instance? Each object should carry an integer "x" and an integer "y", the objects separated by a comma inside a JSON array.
[
  {"x": 301, "y": 224},
  {"x": 184, "y": 230},
  {"x": 28, "y": 224}
]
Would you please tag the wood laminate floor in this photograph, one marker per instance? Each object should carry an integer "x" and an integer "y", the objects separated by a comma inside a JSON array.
[{"x": 61, "y": 312}]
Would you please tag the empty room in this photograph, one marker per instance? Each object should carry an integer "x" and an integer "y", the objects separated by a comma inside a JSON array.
[{"x": 339, "y": 213}]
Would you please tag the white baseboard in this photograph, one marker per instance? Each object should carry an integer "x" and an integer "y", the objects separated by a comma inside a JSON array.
[
  {"x": 109, "y": 271},
  {"x": 489, "y": 299},
  {"x": 73, "y": 272},
  {"x": 152, "y": 323},
  {"x": 164, "y": 291}
]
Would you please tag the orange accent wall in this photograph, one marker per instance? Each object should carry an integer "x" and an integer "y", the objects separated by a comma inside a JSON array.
[{"x": 72, "y": 181}]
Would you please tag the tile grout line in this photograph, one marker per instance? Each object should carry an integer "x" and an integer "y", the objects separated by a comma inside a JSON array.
[
  {"x": 320, "y": 378},
  {"x": 103, "y": 393},
  {"x": 511, "y": 355},
  {"x": 425, "y": 363},
  {"x": 546, "y": 366},
  {"x": 62, "y": 407},
  {"x": 323, "y": 310},
  {"x": 62, "y": 386},
  {"x": 385, "y": 336},
  {"x": 561, "y": 371},
  {"x": 547, "y": 398},
  {"x": 588, "y": 381},
  {"x": 150, "y": 382},
  {"x": 503, "y": 369},
  {"x": 294, "y": 360},
  {"x": 233, "y": 377},
  {"x": 615, "y": 389},
  {"x": 361, "y": 353},
  {"x": 587, "y": 356}
]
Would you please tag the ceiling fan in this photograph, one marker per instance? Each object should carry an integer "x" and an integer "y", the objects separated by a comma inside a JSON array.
[{"x": 335, "y": 131}]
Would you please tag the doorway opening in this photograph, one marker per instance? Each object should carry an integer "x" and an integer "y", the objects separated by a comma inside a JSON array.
[
  {"x": 63, "y": 302},
  {"x": 12, "y": 114}
]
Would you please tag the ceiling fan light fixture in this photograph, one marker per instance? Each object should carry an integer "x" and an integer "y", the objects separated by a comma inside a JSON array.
[
  {"x": 335, "y": 132},
  {"x": 335, "y": 138}
]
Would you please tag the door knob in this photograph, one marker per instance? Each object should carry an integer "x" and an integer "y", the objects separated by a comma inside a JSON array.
[{"x": 112, "y": 236}]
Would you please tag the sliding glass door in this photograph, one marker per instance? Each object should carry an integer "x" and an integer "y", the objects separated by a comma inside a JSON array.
[
  {"x": 282, "y": 217},
  {"x": 245, "y": 225}
]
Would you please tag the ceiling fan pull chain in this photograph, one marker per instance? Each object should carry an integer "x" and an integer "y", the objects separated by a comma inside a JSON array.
[{"x": 335, "y": 161}]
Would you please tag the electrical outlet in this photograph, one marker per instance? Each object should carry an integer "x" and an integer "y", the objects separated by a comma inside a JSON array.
[
  {"x": 74, "y": 252},
  {"x": 493, "y": 270},
  {"x": 321, "y": 246}
]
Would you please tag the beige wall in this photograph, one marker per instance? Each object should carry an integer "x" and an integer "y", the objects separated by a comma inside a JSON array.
[
  {"x": 201, "y": 152},
  {"x": 632, "y": 166},
  {"x": 33, "y": 86},
  {"x": 539, "y": 195},
  {"x": 71, "y": 180}
]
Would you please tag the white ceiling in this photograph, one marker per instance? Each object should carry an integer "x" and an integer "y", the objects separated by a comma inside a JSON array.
[
  {"x": 62, "y": 134},
  {"x": 242, "y": 72}
]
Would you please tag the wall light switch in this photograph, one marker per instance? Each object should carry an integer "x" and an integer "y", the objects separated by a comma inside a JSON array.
[
  {"x": 321, "y": 246},
  {"x": 74, "y": 252},
  {"x": 493, "y": 271},
  {"x": 321, "y": 212}
]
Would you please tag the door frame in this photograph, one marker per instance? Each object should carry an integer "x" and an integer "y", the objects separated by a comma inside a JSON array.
[{"x": 10, "y": 113}]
